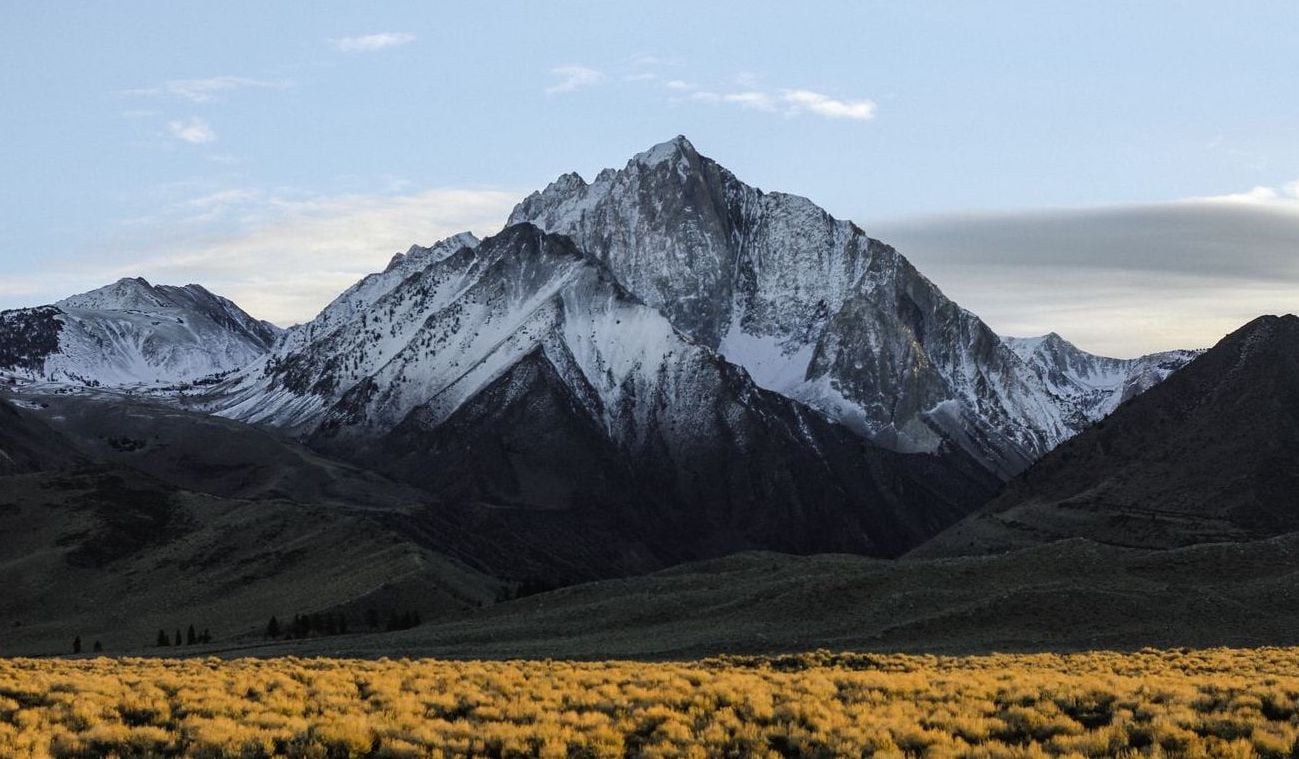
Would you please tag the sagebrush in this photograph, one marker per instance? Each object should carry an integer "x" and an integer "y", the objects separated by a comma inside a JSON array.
[{"x": 1221, "y": 702}]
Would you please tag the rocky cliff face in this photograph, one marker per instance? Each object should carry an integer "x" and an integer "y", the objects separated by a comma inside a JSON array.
[
  {"x": 1093, "y": 386},
  {"x": 521, "y": 371},
  {"x": 1208, "y": 455},
  {"x": 811, "y": 307}
]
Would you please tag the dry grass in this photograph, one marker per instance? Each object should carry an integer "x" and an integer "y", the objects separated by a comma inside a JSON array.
[{"x": 1221, "y": 702}]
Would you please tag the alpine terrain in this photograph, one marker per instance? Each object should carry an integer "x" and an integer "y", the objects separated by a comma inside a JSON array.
[
  {"x": 641, "y": 385},
  {"x": 519, "y": 371},
  {"x": 814, "y": 309},
  {"x": 1209, "y": 455},
  {"x": 130, "y": 333}
]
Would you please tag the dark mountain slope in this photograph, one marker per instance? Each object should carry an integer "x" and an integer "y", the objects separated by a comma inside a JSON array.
[
  {"x": 27, "y": 444},
  {"x": 610, "y": 411},
  {"x": 1210, "y": 454},
  {"x": 1067, "y": 596},
  {"x": 120, "y": 517}
]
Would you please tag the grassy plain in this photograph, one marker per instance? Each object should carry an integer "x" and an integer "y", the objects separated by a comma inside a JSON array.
[{"x": 1192, "y": 703}]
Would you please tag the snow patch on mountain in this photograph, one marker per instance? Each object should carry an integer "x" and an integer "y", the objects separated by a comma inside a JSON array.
[
  {"x": 132, "y": 333},
  {"x": 1093, "y": 385},
  {"x": 808, "y": 304}
]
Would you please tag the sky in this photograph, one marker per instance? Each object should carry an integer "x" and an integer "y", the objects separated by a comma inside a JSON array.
[{"x": 1126, "y": 175}]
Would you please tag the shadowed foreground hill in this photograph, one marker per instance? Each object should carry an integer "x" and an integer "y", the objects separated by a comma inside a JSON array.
[
  {"x": 121, "y": 518},
  {"x": 27, "y": 444},
  {"x": 1211, "y": 454},
  {"x": 1073, "y": 595}
]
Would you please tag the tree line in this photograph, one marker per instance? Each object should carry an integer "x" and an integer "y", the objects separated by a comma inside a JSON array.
[
  {"x": 336, "y": 623},
  {"x": 192, "y": 637}
]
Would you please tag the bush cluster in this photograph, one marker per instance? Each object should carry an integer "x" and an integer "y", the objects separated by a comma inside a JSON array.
[{"x": 1211, "y": 703}]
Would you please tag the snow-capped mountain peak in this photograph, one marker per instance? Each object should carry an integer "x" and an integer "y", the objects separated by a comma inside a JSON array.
[
  {"x": 676, "y": 149},
  {"x": 124, "y": 294},
  {"x": 522, "y": 371},
  {"x": 810, "y": 305},
  {"x": 1093, "y": 386},
  {"x": 131, "y": 332}
]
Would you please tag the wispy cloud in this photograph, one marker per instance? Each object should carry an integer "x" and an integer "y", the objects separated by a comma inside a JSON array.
[
  {"x": 208, "y": 90},
  {"x": 759, "y": 101},
  {"x": 573, "y": 78},
  {"x": 1285, "y": 196},
  {"x": 791, "y": 102},
  {"x": 368, "y": 43},
  {"x": 824, "y": 105},
  {"x": 193, "y": 130}
]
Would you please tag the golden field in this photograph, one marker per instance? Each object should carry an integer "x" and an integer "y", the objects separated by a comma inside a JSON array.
[{"x": 1192, "y": 703}]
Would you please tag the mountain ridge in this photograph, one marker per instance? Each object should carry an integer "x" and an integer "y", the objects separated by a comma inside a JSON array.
[
  {"x": 811, "y": 306},
  {"x": 559, "y": 366},
  {"x": 1207, "y": 455},
  {"x": 130, "y": 332}
]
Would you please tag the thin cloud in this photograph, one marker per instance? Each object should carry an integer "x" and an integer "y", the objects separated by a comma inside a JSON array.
[
  {"x": 572, "y": 78},
  {"x": 759, "y": 101},
  {"x": 193, "y": 130},
  {"x": 368, "y": 43},
  {"x": 789, "y": 102},
  {"x": 1121, "y": 280},
  {"x": 208, "y": 90},
  {"x": 830, "y": 108},
  {"x": 1284, "y": 196}
]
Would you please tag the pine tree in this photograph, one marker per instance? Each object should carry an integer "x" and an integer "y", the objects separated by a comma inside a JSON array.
[
  {"x": 206, "y": 637},
  {"x": 76, "y": 645},
  {"x": 273, "y": 628},
  {"x": 177, "y": 640},
  {"x": 191, "y": 637},
  {"x": 98, "y": 647},
  {"x": 163, "y": 640}
]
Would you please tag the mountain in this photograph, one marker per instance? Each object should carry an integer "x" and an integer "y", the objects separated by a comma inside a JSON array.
[
  {"x": 808, "y": 305},
  {"x": 130, "y": 333},
  {"x": 814, "y": 309},
  {"x": 1094, "y": 385},
  {"x": 1210, "y": 454},
  {"x": 121, "y": 517},
  {"x": 519, "y": 372}
]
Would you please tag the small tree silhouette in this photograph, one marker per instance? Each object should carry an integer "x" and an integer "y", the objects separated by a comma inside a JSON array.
[
  {"x": 191, "y": 637},
  {"x": 98, "y": 647},
  {"x": 273, "y": 628},
  {"x": 163, "y": 640},
  {"x": 76, "y": 645},
  {"x": 177, "y": 639}
]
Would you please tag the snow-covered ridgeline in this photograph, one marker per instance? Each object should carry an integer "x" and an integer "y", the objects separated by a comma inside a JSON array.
[{"x": 132, "y": 333}]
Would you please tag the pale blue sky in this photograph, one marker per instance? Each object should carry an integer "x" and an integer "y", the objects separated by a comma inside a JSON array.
[{"x": 276, "y": 151}]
